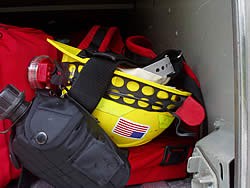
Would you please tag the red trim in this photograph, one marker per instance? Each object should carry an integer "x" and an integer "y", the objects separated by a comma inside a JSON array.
[
  {"x": 140, "y": 45},
  {"x": 113, "y": 40},
  {"x": 190, "y": 73},
  {"x": 117, "y": 45},
  {"x": 89, "y": 37}
]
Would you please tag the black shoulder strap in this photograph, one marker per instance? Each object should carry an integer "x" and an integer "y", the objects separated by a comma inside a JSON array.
[
  {"x": 94, "y": 79},
  {"x": 189, "y": 84},
  {"x": 98, "y": 39},
  {"x": 141, "y": 61}
]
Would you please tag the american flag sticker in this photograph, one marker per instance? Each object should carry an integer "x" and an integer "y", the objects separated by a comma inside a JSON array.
[{"x": 130, "y": 129}]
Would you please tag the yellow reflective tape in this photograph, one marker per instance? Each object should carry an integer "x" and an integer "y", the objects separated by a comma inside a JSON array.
[
  {"x": 165, "y": 120},
  {"x": 113, "y": 108}
]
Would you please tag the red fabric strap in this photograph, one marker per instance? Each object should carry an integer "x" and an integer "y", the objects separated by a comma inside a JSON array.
[
  {"x": 112, "y": 40},
  {"x": 190, "y": 73},
  {"x": 140, "y": 45},
  {"x": 89, "y": 37}
]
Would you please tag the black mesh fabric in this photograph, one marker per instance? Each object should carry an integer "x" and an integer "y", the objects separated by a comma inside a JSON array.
[{"x": 152, "y": 102}]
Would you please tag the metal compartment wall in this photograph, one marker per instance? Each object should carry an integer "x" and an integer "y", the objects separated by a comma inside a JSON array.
[
  {"x": 203, "y": 30},
  {"x": 213, "y": 36}
]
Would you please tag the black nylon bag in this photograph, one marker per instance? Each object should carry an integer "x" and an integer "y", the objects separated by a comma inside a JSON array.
[{"x": 72, "y": 149}]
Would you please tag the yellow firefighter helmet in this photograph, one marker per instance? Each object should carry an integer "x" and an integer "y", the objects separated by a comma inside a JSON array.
[{"x": 129, "y": 120}]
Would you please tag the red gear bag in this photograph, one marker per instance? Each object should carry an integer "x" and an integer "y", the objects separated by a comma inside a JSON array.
[{"x": 17, "y": 46}]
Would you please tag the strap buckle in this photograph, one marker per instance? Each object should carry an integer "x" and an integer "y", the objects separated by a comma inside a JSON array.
[{"x": 174, "y": 155}]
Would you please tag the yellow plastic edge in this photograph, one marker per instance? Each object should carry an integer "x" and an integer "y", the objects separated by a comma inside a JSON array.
[
  {"x": 59, "y": 45},
  {"x": 162, "y": 87}
]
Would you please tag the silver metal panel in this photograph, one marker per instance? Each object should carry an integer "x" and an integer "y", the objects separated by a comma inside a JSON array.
[
  {"x": 218, "y": 149},
  {"x": 241, "y": 101},
  {"x": 203, "y": 174},
  {"x": 203, "y": 30},
  {"x": 248, "y": 89}
]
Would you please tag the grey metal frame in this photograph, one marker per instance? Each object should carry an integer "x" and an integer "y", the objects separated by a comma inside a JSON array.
[{"x": 240, "y": 31}]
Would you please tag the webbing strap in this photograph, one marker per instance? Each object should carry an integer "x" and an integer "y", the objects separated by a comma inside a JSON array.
[
  {"x": 103, "y": 39},
  {"x": 93, "y": 81},
  {"x": 142, "y": 61},
  {"x": 189, "y": 84},
  {"x": 98, "y": 39}
]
